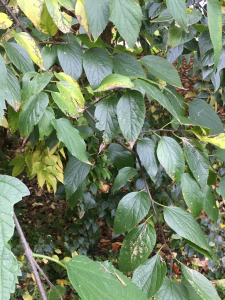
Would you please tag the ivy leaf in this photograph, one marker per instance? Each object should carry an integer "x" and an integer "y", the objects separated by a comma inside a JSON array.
[
  {"x": 131, "y": 114},
  {"x": 162, "y": 69},
  {"x": 47, "y": 24},
  {"x": 92, "y": 281},
  {"x": 215, "y": 27},
  {"x": 120, "y": 156},
  {"x": 210, "y": 206},
  {"x": 105, "y": 113},
  {"x": 45, "y": 125},
  {"x": 49, "y": 56},
  {"x": 150, "y": 275},
  {"x": 97, "y": 65},
  {"x": 12, "y": 90},
  {"x": 171, "y": 157},
  {"x": 98, "y": 16},
  {"x": 123, "y": 176},
  {"x": 178, "y": 10},
  {"x": 70, "y": 58},
  {"x": 127, "y": 65},
  {"x": 204, "y": 114},
  {"x": 156, "y": 94},
  {"x": 186, "y": 226},
  {"x": 171, "y": 290},
  {"x": 131, "y": 210},
  {"x": 75, "y": 173},
  {"x": 61, "y": 19},
  {"x": 70, "y": 136},
  {"x": 26, "y": 41},
  {"x": 114, "y": 81},
  {"x": 19, "y": 56},
  {"x": 137, "y": 246},
  {"x": 198, "y": 162},
  {"x": 192, "y": 193},
  {"x": 32, "y": 112},
  {"x": 146, "y": 149},
  {"x": 200, "y": 284},
  {"x": 32, "y": 9},
  {"x": 127, "y": 16}
]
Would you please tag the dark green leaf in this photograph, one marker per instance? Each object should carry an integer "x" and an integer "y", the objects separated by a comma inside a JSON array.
[
  {"x": 210, "y": 206},
  {"x": 12, "y": 90},
  {"x": 131, "y": 210},
  {"x": 127, "y": 65},
  {"x": 45, "y": 123},
  {"x": 78, "y": 194},
  {"x": 137, "y": 246},
  {"x": 150, "y": 275},
  {"x": 123, "y": 176},
  {"x": 120, "y": 156},
  {"x": 177, "y": 36},
  {"x": 49, "y": 56},
  {"x": 178, "y": 10},
  {"x": 131, "y": 114},
  {"x": 171, "y": 157},
  {"x": 171, "y": 290},
  {"x": 97, "y": 65},
  {"x": 220, "y": 154}
]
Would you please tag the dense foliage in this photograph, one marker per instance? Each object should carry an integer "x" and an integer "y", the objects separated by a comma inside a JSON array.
[{"x": 91, "y": 87}]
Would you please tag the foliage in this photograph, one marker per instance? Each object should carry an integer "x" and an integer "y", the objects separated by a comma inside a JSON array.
[{"x": 93, "y": 84}]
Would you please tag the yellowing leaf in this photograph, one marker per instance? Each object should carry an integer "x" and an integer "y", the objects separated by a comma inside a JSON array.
[
  {"x": 61, "y": 19},
  {"x": 66, "y": 259},
  {"x": 32, "y": 10},
  {"x": 82, "y": 17},
  {"x": 5, "y": 22},
  {"x": 47, "y": 24},
  {"x": 25, "y": 40},
  {"x": 27, "y": 296},
  {"x": 4, "y": 123},
  {"x": 114, "y": 81},
  {"x": 217, "y": 139},
  {"x": 62, "y": 282}
]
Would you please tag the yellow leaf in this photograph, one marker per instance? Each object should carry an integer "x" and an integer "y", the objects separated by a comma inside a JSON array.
[
  {"x": 25, "y": 40},
  {"x": 27, "y": 296},
  {"x": 74, "y": 253},
  {"x": 62, "y": 282},
  {"x": 61, "y": 19},
  {"x": 36, "y": 156},
  {"x": 4, "y": 122},
  {"x": 66, "y": 259},
  {"x": 5, "y": 22},
  {"x": 12, "y": 3},
  {"x": 47, "y": 24},
  {"x": 82, "y": 17},
  {"x": 58, "y": 251},
  {"x": 217, "y": 139},
  {"x": 55, "y": 257},
  {"x": 45, "y": 261},
  {"x": 32, "y": 10},
  {"x": 63, "y": 153},
  {"x": 222, "y": 226}
]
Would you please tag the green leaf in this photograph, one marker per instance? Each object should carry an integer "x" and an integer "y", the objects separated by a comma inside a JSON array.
[
  {"x": 53, "y": 295},
  {"x": 61, "y": 19},
  {"x": 156, "y": 94},
  {"x": 212, "y": 177},
  {"x": 127, "y": 65},
  {"x": 146, "y": 149},
  {"x": 137, "y": 246},
  {"x": 70, "y": 58},
  {"x": 75, "y": 173},
  {"x": 18, "y": 162},
  {"x": 98, "y": 15},
  {"x": 221, "y": 189},
  {"x": 93, "y": 282},
  {"x": 66, "y": 106},
  {"x": 32, "y": 9},
  {"x": 171, "y": 290},
  {"x": 220, "y": 154},
  {"x": 192, "y": 293},
  {"x": 210, "y": 206},
  {"x": 123, "y": 176},
  {"x": 70, "y": 136},
  {"x": 12, "y": 191},
  {"x": 33, "y": 83},
  {"x": 126, "y": 16},
  {"x": 131, "y": 114},
  {"x": 114, "y": 81},
  {"x": 186, "y": 226},
  {"x": 162, "y": 69},
  {"x": 45, "y": 123},
  {"x": 178, "y": 10},
  {"x": 49, "y": 56},
  {"x": 192, "y": 193},
  {"x": 85, "y": 131},
  {"x": 177, "y": 36},
  {"x": 19, "y": 56},
  {"x": 150, "y": 275},
  {"x": 32, "y": 112},
  {"x": 198, "y": 162},
  {"x": 200, "y": 284},
  {"x": 171, "y": 157},
  {"x": 12, "y": 90},
  {"x": 78, "y": 194},
  {"x": 204, "y": 114},
  {"x": 105, "y": 113},
  {"x": 97, "y": 65},
  {"x": 215, "y": 27},
  {"x": 47, "y": 24},
  {"x": 3, "y": 83},
  {"x": 194, "y": 16},
  {"x": 131, "y": 210},
  {"x": 120, "y": 156},
  {"x": 26, "y": 41}
]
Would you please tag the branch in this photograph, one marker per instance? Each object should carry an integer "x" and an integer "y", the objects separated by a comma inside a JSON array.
[
  {"x": 17, "y": 21},
  {"x": 29, "y": 256},
  {"x": 98, "y": 100},
  {"x": 9, "y": 31},
  {"x": 155, "y": 213},
  {"x": 155, "y": 130}
]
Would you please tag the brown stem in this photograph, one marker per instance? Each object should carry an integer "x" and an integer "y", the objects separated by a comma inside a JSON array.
[
  {"x": 9, "y": 31},
  {"x": 30, "y": 258},
  {"x": 98, "y": 100},
  {"x": 155, "y": 130},
  {"x": 53, "y": 43},
  {"x": 18, "y": 21},
  {"x": 155, "y": 213}
]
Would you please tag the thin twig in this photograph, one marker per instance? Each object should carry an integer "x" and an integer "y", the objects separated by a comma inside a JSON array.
[
  {"x": 155, "y": 213},
  {"x": 30, "y": 258},
  {"x": 98, "y": 100},
  {"x": 155, "y": 130},
  {"x": 53, "y": 43},
  {"x": 9, "y": 31}
]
